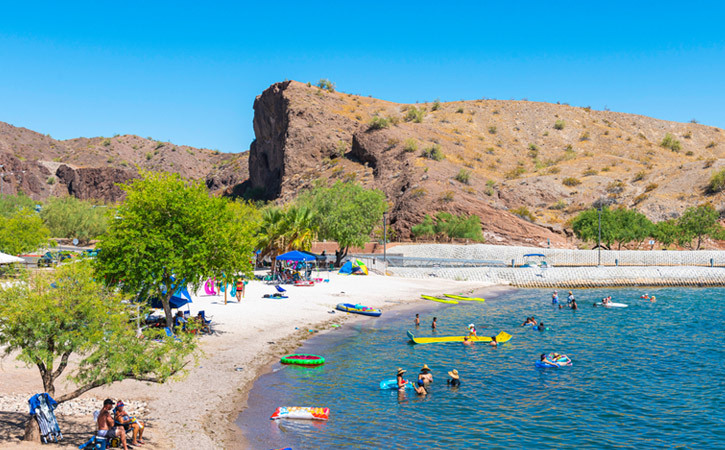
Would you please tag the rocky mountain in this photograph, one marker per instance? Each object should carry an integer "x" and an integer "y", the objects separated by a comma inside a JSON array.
[
  {"x": 524, "y": 167},
  {"x": 90, "y": 168}
]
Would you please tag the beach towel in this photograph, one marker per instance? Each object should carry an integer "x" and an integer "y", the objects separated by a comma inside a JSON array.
[{"x": 41, "y": 407}]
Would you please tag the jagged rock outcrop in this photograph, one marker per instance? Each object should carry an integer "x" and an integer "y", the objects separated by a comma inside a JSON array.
[{"x": 95, "y": 182}]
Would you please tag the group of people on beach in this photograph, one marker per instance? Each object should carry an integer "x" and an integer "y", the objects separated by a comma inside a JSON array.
[
  {"x": 114, "y": 422},
  {"x": 425, "y": 379}
]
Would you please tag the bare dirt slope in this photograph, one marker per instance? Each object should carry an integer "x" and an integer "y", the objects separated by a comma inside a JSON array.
[{"x": 545, "y": 162}]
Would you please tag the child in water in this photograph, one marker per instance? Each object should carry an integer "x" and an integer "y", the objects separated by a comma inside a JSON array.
[
  {"x": 434, "y": 325},
  {"x": 417, "y": 321}
]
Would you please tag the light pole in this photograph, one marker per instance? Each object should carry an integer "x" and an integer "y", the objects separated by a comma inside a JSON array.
[
  {"x": 599, "y": 239},
  {"x": 385, "y": 238}
]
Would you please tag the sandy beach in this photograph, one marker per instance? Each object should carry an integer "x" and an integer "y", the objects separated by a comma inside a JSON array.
[{"x": 199, "y": 410}]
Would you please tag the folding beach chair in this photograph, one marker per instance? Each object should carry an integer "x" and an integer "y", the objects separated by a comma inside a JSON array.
[{"x": 41, "y": 407}]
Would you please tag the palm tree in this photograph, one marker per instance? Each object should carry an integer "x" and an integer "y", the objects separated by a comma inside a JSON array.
[{"x": 282, "y": 230}]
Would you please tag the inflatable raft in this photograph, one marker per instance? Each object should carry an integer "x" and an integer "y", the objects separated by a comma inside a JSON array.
[
  {"x": 301, "y": 412},
  {"x": 500, "y": 338},
  {"x": 302, "y": 359},
  {"x": 464, "y": 298},
  {"x": 612, "y": 305},
  {"x": 393, "y": 384},
  {"x": 440, "y": 300},
  {"x": 560, "y": 361},
  {"x": 359, "y": 309}
]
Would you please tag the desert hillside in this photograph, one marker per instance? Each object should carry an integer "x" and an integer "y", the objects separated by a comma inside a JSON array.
[
  {"x": 500, "y": 159},
  {"x": 90, "y": 167}
]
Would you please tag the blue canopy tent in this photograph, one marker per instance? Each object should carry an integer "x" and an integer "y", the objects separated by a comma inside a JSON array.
[
  {"x": 295, "y": 255},
  {"x": 180, "y": 298}
]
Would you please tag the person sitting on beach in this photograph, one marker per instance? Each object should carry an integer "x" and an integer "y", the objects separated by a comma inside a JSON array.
[
  {"x": 179, "y": 320},
  {"x": 573, "y": 305},
  {"x": 555, "y": 298},
  {"x": 417, "y": 320},
  {"x": 434, "y": 325},
  {"x": 494, "y": 342},
  {"x": 106, "y": 425},
  {"x": 541, "y": 327},
  {"x": 472, "y": 330},
  {"x": 454, "y": 380},
  {"x": 467, "y": 341},
  {"x": 401, "y": 381},
  {"x": 425, "y": 374},
  {"x": 122, "y": 418},
  {"x": 420, "y": 388}
]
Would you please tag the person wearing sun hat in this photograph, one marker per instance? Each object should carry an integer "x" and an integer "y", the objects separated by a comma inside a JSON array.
[
  {"x": 454, "y": 380},
  {"x": 425, "y": 374},
  {"x": 401, "y": 381}
]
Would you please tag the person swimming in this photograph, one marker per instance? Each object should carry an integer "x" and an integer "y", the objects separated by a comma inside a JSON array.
[
  {"x": 467, "y": 341},
  {"x": 529, "y": 321},
  {"x": 541, "y": 326},
  {"x": 494, "y": 342},
  {"x": 653, "y": 299}
]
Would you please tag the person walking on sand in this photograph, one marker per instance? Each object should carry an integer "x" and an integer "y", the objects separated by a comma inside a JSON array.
[
  {"x": 434, "y": 325},
  {"x": 417, "y": 320},
  {"x": 240, "y": 289}
]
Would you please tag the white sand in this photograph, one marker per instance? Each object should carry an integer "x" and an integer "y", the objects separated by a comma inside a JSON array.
[{"x": 199, "y": 411}]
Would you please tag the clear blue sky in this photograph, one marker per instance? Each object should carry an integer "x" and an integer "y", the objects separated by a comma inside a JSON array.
[{"x": 188, "y": 72}]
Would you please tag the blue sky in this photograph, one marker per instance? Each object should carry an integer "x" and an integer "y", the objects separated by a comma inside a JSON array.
[{"x": 189, "y": 73}]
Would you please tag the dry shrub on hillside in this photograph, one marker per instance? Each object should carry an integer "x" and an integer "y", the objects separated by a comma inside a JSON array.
[{"x": 570, "y": 181}]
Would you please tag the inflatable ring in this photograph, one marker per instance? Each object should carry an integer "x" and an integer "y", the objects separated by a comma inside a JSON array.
[{"x": 301, "y": 359}]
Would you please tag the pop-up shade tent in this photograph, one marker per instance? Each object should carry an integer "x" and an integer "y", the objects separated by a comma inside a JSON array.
[
  {"x": 9, "y": 259},
  {"x": 295, "y": 255},
  {"x": 180, "y": 298}
]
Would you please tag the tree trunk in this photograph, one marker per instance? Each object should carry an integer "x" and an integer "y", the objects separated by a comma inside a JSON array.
[
  {"x": 339, "y": 256},
  {"x": 167, "y": 308},
  {"x": 32, "y": 430}
]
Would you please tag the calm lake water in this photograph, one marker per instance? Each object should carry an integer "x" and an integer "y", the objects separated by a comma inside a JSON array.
[{"x": 648, "y": 376}]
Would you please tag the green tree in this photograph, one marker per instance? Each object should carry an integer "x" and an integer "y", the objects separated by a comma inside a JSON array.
[
  {"x": 630, "y": 225},
  {"x": 10, "y": 204},
  {"x": 22, "y": 232},
  {"x": 347, "y": 213},
  {"x": 169, "y": 229},
  {"x": 425, "y": 229},
  {"x": 51, "y": 318},
  {"x": 69, "y": 217},
  {"x": 666, "y": 232},
  {"x": 460, "y": 226},
  {"x": 698, "y": 222},
  {"x": 586, "y": 226},
  {"x": 285, "y": 229}
]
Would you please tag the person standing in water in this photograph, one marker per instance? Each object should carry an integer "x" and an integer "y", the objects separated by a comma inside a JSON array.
[
  {"x": 454, "y": 381},
  {"x": 555, "y": 298},
  {"x": 572, "y": 305},
  {"x": 401, "y": 381},
  {"x": 570, "y": 298},
  {"x": 494, "y": 342},
  {"x": 417, "y": 320},
  {"x": 434, "y": 325}
]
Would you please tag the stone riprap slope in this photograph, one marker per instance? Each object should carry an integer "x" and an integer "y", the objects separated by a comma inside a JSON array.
[
  {"x": 562, "y": 257},
  {"x": 575, "y": 277}
]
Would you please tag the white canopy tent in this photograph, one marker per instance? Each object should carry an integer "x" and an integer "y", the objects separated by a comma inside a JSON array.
[{"x": 9, "y": 259}]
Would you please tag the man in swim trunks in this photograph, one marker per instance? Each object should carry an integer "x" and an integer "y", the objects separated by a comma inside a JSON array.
[{"x": 106, "y": 425}]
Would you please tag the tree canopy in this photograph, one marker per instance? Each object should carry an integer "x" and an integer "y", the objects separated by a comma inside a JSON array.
[
  {"x": 170, "y": 230},
  {"x": 69, "y": 217},
  {"x": 290, "y": 228},
  {"x": 49, "y": 317},
  {"x": 22, "y": 231},
  {"x": 697, "y": 222},
  {"x": 347, "y": 213},
  {"x": 460, "y": 226}
]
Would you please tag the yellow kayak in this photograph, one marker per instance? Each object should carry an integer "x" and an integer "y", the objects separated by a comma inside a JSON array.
[
  {"x": 441, "y": 300},
  {"x": 464, "y": 298},
  {"x": 500, "y": 338}
]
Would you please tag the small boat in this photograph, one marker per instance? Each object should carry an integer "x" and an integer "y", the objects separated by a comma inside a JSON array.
[
  {"x": 301, "y": 412},
  {"x": 358, "y": 309},
  {"x": 440, "y": 300},
  {"x": 500, "y": 338},
  {"x": 464, "y": 298}
]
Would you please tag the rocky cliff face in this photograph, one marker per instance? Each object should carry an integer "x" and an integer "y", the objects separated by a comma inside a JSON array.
[{"x": 90, "y": 168}]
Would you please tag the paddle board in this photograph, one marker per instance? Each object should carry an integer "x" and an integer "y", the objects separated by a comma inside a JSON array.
[
  {"x": 441, "y": 300},
  {"x": 612, "y": 305},
  {"x": 500, "y": 338},
  {"x": 464, "y": 298}
]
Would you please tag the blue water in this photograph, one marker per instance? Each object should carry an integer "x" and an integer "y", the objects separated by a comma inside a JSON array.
[{"x": 648, "y": 376}]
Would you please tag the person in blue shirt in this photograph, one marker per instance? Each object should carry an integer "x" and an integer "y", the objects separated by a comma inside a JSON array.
[{"x": 555, "y": 298}]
